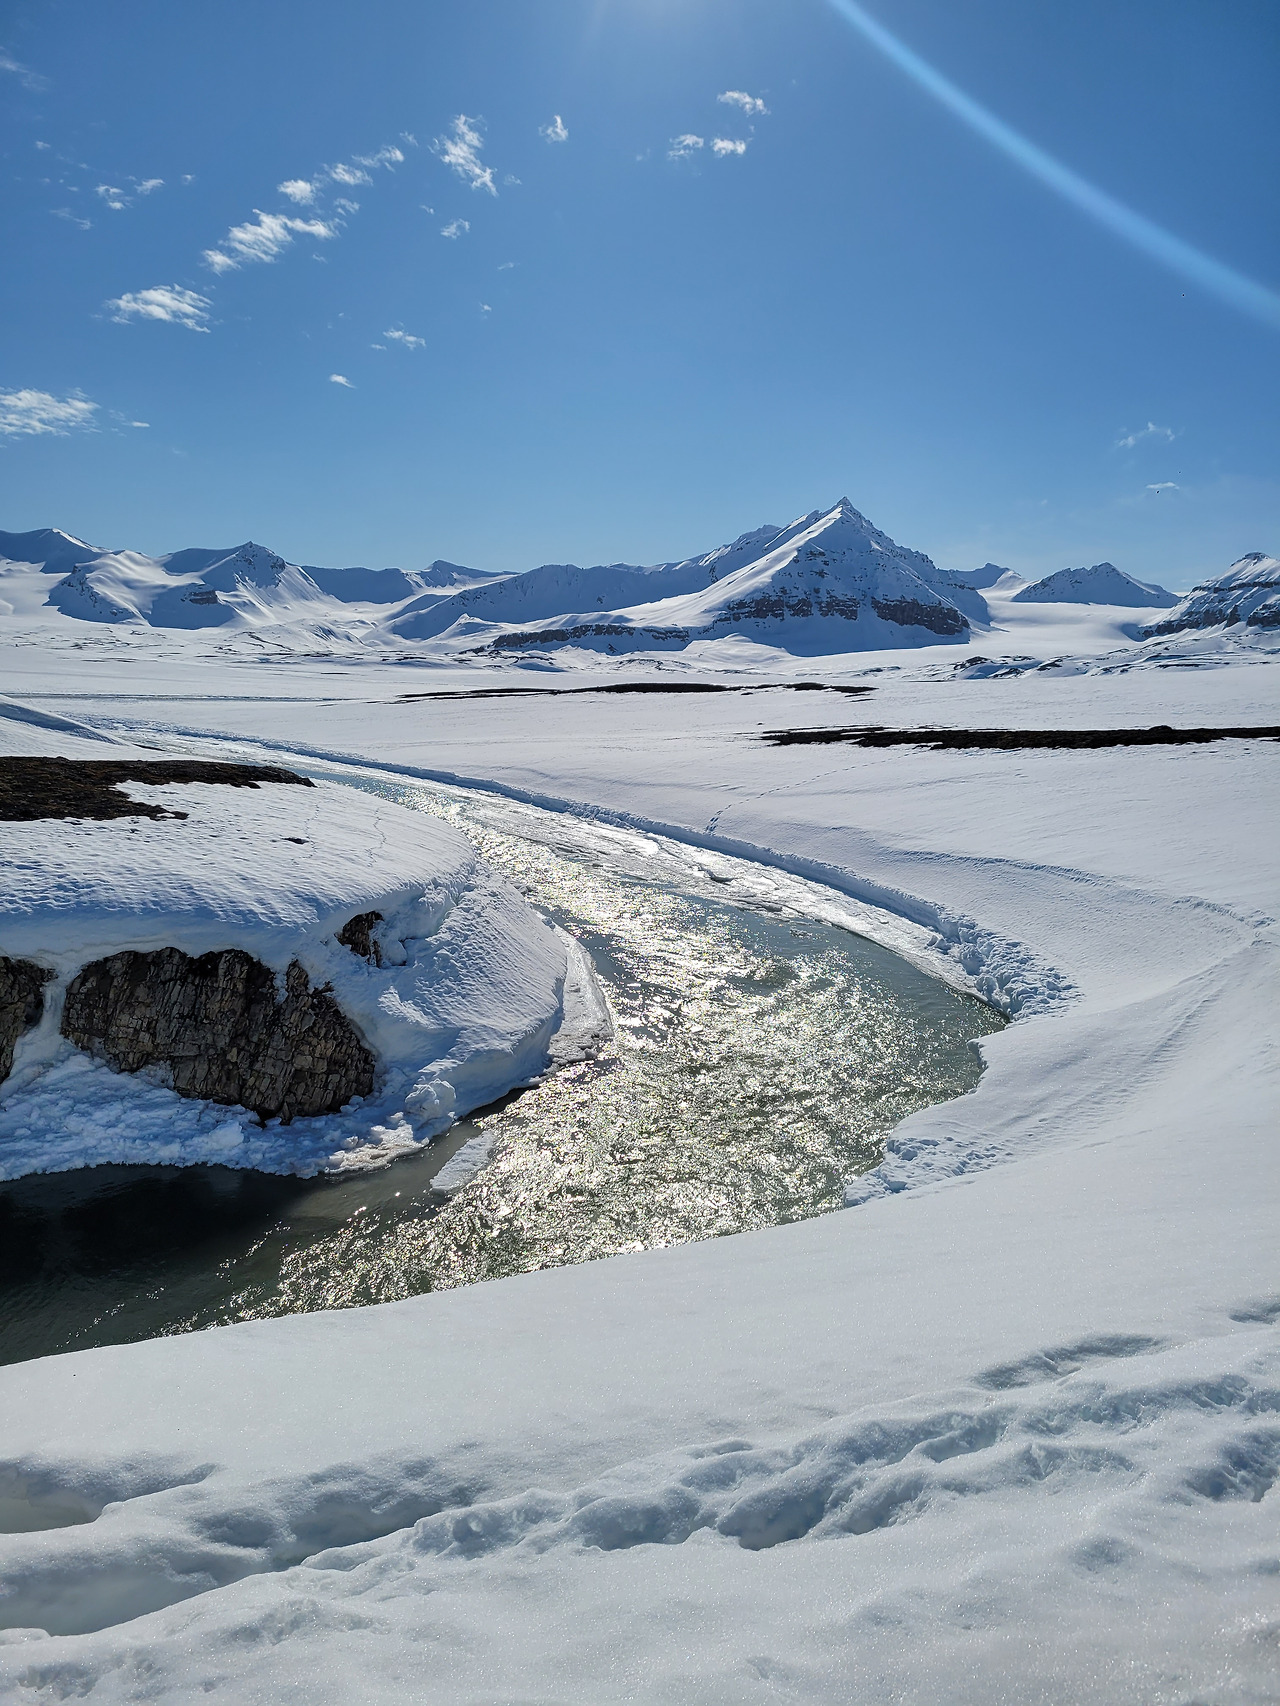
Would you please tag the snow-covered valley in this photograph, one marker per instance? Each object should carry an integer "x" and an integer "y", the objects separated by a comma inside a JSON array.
[{"x": 1005, "y": 1428}]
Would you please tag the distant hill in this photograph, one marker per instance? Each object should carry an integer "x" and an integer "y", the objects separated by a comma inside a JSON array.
[
  {"x": 1249, "y": 592},
  {"x": 1102, "y": 584}
]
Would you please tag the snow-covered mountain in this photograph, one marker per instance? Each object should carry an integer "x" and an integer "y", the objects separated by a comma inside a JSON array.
[
  {"x": 1104, "y": 583},
  {"x": 830, "y": 582},
  {"x": 1249, "y": 592},
  {"x": 245, "y": 586}
]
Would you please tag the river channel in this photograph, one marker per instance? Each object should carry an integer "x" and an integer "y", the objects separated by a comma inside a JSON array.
[{"x": 759, "y": 1058}]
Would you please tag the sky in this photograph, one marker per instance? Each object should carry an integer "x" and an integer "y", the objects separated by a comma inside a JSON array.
[{"x": 616, "y": 280}]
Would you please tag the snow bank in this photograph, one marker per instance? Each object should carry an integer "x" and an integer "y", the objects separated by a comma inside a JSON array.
[{"x": 463, "y": 1005}]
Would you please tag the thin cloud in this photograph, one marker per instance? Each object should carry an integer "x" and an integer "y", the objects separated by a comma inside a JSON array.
[
  {"x": 460, "y": 151},
  {"x": 300, "y": 190},
  {"x": 1165, "y": 486},
  {"x": 341, "y": 379},
  {"x": 724, "y": 145},
  {"x": 264, "y": 238},
  {"x": 387, "y": 157},
  {"x": 169, "y": 303},
  {"x": 750, "y": 104},
  {"x": 1151, "y": 430},
  {"x": 29, "y": 414},
  {"x": 682, "y": 146},
  {"x": 29, "y": 79},
  {"x": 349, "y": 175},
  {"x": 400, "y": 336},
  {"x": 117, "y": 198},
  {"x": 71, "y": 218},
  {"x": 455, "y": 228},
  {"x": 556, "y": 131}
]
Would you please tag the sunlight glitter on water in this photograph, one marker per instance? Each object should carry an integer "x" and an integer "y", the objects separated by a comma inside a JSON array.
[{"x": 758, "y": 1062}]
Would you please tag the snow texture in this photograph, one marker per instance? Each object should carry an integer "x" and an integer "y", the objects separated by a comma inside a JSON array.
[
  {"x": 1006, "y": 1430},
  {"x": 1249, "y": 592},
  {"x": 462, "y": 1007}
]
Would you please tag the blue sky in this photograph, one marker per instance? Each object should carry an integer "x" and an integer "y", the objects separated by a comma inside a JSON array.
[{"x": 632, "y": 346}]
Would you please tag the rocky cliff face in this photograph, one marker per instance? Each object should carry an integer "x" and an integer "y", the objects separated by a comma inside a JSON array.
[
  {"x": 221, "y": 1029},
  {"x": 21, "y": 1004}
]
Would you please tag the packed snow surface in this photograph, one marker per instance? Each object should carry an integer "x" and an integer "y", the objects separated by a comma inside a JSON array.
[
  {"x": 463, "y": 1005},
  {"x": 1007, "y": 1429}
]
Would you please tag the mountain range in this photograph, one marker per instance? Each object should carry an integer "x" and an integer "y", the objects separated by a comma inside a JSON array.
[{"x": 829, "y": 582}]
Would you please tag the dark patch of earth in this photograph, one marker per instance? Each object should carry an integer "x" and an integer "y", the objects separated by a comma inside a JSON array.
[
  {"x": 1012, "y": 740},
  {"x": 36, "y": 788}
]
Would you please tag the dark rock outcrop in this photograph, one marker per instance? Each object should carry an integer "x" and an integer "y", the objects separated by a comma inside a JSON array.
[
  {"x": 21, "y": 1004},
  {"x": 36, "y": 788},
  {"x": 357, "y": 934},
  {"x": 220, "y": 1027}
]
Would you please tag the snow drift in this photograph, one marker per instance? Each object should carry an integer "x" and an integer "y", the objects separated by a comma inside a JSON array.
[{"x": 457, "y": 992}]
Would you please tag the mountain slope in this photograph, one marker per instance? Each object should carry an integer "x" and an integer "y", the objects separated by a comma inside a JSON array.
[
  {"x": 1102, "y": 584},
  {"x": 830, "y": 582},
  {"x": 1249, "y": 592}
]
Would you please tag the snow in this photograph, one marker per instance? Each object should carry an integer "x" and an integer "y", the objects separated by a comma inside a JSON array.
[
  {"x": 1249, "y": 592},
  {"x": 1102, "y": 584},
  {"x": 463, "y": 1006},
  {"x": 1005, "y": 1429}
]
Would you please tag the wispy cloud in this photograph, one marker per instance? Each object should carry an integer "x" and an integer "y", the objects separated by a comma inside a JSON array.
[
  {"x": 167, "y": 302},
  {"x": 398, "y": 335},
  {"x": 71, "y": 218},
  {"x": 117, "y": 198},
  {"x": 728, "y": 145},
  {"x": 556, "y": 131},
  {"x": 455, "y": 228},
  {"x": 300, "y": 190},
  {"x": 29, "y": 79},
  {"x": 387, "y": 157},
  {"x": 265, "y": 237},
  {"x": 750, "y": 104},
  {"x": 460, "y": 151},
  {"x": 341, "y": 379},
  {"x": 1165, "y": 486},
  {"x": 27, "y": 414},
  {"x": 349, "y": 175},
  {"x": 682, "y": 146},
  {"x": 1151, "y": 430}
]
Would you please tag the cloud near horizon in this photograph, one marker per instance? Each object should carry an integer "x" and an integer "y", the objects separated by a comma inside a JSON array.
[{"x": 29, "y": 414}]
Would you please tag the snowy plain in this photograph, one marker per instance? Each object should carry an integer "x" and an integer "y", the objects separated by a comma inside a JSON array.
[{"x": 1006, "y": 1429}]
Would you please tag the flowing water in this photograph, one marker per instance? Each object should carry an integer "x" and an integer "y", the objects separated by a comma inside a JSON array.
[{"x": 759, "y": 1059}]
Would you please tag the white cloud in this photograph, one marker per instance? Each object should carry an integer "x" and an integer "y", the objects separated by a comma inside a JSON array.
[
  {"x": 166, "y": 302},
  {"x": 341, "y": 379},
  {"x": 43, "y": 147},
  {"x": 486, "y": 308},
  {"x": 387, "y": 157},
  {"x": 264, "y": 238},
  {"x": 298, "y": 189},
  {"x": 30, "y": 413},
  {"x": 114, "y": 198},
  {"x": 727, "y": 145},
  {"x": 505, "y": 266},
  {"x": 750, "y": 104},
  {"x": 455, "y": 228},
  {"x": 460, "y": 151},
  {"x": 1151, "y": 430},
  {"x": 349, "y": 175},
  {"x": 28, "y": 78},
  {"x": 556, "y": 131},
  {"x": 400, "y": 336},
  {"x": 682, "y": 146},
  {"x": 147, "y": 185},
  {"x": 72, "y": 218},
  {"x": 188, "y": 178},
  {"x": 1165, "y": 486}
]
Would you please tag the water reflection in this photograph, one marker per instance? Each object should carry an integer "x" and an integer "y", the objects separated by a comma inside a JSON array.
[{"x": 758, "y": 1062}]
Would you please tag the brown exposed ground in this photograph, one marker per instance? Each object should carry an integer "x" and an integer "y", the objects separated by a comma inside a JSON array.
[
  {"x": 1012, "y": 740},
  {"x": 35, "y": 788}
]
